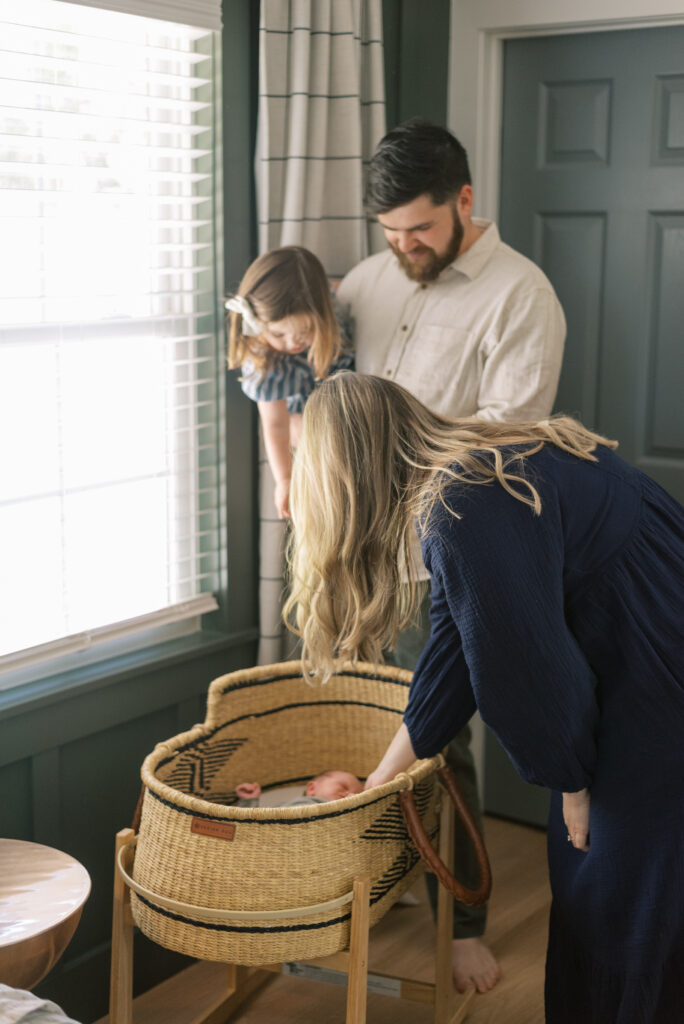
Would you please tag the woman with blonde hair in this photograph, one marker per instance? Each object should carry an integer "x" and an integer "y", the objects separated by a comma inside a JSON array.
[{"x": 557, "y": 575}]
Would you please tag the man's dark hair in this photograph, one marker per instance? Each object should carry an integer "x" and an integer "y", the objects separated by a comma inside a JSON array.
[{"x": 416, "y": 158}]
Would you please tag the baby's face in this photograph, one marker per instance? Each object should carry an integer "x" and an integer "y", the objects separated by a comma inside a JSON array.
[{"x": 333, "y": 785}]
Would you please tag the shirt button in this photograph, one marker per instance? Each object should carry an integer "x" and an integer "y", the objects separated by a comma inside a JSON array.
[
  {"x": 389, "y": 373},
  {"x": 404, "y": 327}
]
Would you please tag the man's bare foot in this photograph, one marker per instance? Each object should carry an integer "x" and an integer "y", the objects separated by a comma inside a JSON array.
[{"x": 473, "y": 965}]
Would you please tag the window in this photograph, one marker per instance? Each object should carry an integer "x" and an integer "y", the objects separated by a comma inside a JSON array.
[{"x": 111, "y": 349}]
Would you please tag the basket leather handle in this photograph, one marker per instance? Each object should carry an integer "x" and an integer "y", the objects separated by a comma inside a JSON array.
[{"x": 471, "y": 897}]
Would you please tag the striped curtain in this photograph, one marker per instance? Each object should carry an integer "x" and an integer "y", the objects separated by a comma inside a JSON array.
[{"x": 321, "y": 115}]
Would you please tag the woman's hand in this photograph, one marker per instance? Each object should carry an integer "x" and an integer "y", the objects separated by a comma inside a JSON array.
[
  {"x": 398, "y": 757},
  {"x": 576, "y": 817},
  {"x": 376, "y": 778}
]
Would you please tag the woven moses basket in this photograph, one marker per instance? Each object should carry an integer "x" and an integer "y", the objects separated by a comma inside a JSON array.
[{"x": 246, "y": 884}]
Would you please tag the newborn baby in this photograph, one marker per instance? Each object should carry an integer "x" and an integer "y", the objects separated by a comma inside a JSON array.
[{"x": 331, "y": 785}]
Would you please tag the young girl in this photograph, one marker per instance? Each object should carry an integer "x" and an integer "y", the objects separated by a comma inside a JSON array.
[
  {"x": 557, "y": 587},
  {"x": 285, "y": 336}
]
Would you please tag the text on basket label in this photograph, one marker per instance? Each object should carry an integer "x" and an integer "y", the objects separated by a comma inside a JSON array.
[{"x": 216, "y": 829}]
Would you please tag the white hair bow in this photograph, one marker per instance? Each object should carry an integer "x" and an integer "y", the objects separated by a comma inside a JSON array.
[{"x": 251, "y": 325}]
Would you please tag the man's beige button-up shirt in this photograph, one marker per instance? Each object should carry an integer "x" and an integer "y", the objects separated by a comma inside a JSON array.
[{"x": 486, "y": 338}]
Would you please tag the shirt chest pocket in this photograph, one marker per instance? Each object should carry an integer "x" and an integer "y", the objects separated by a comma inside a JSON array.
[{"x": 436, "y": 358}]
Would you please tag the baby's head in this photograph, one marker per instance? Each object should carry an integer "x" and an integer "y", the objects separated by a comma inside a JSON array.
[
  {"x": 333, "y": 785},
  {"x": 286, "y": 307}
]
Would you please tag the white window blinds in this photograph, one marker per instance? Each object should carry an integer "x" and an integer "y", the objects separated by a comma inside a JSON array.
[
  {"x": 203, "y": 13},
  {"x": 110, "y": 360}
]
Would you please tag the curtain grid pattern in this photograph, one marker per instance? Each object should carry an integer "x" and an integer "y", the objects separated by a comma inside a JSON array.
[{"x": 321, "y": 114}]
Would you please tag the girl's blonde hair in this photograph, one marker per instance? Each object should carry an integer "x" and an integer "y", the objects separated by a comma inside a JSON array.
[
  {"x": 286, "y": 282},
  {"x": 372, "y": 459}
]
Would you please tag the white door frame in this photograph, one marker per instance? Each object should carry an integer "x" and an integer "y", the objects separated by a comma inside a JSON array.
[{"x": 478, "y": 31}]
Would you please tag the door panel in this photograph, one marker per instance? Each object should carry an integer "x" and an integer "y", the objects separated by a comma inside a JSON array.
[{"x": 593, "y": 190}]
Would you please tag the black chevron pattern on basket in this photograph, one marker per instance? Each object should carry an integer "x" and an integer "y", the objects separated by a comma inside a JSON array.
[
  {"x": 397, "y": 870},
  {"x": 197, "y": 766},
  {"x": 422, "y": 794},
  {"x": 390, "y": 825}
]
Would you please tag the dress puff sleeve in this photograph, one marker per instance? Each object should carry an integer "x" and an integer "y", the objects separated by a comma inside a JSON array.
[
  {"x": 499, "y": 639},
  {"x": 289, "y": 377}
]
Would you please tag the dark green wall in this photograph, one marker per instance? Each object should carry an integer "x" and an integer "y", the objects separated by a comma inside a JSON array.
[
  {"x": 240, "y": 106},
  {"x": 416, "y": 36}
]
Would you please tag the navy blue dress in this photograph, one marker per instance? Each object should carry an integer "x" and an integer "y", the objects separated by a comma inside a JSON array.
[{"x": 566, "y": 631}]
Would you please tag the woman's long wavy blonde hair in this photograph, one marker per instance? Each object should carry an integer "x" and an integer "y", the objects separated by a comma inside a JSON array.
[{"x": 371, "y": 461}]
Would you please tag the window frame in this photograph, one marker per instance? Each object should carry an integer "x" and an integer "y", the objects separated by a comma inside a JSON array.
[{"x": 235, "y": 623}]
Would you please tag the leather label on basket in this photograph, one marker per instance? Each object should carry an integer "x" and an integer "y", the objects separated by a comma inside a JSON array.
[{"x": 217, "y": 829}]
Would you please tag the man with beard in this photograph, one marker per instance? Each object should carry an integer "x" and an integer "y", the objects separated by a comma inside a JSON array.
[{"x": 471, "y": 328}]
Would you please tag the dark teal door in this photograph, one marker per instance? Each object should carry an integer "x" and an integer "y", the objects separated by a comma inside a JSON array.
[{"x": 593, "y": 190}]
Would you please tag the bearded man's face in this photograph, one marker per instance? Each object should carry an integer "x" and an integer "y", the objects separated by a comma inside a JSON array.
[{"x": 425, "y": 238}]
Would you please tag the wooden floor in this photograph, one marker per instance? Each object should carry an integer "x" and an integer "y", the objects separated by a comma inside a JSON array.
[{"x": 403, "y": 944}]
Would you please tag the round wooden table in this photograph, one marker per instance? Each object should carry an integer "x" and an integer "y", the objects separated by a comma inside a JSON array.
[{"x": 42, "y": 892}]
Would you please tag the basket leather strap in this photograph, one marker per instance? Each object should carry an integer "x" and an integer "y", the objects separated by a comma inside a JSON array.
[{"x": 471, "y": 897}]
